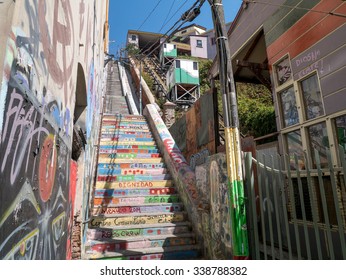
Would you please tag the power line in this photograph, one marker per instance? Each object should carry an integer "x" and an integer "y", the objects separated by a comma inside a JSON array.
[
  {"x": 294, "y": 7},
  {"x": 164, "y": 24},
  {"x": 189, "y": 15},
  {"x": 182, "y": 5},
  {"x": 149, "y": 15},
  {"x": 170, "y": 9}
]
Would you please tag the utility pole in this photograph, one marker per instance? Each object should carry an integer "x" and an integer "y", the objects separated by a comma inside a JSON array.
[{"x": 232, "y": 135}]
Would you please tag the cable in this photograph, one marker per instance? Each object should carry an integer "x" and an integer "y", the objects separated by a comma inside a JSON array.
[
  {"x": 295, "y": 7},
  {"x": 170, "y": 9},
  {"x": 189, "y": 15},
  {"x": 149, "y": 15},
  {"x": 163, "y": 25}
]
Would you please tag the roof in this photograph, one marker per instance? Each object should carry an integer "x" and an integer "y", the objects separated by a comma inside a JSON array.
[{"x": 191, "y": 25}]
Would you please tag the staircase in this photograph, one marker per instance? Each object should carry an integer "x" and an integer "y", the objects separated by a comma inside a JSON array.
[
  {"x": 136, "y": 212},
  {"x": 153, "y": 68},
  {"x": 115, "y": 102}
]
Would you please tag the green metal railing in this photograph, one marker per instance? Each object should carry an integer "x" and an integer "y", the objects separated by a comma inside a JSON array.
[{"x": 295, "y": 211}]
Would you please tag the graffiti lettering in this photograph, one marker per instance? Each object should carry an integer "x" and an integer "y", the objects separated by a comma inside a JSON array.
[{"x": 19, "y": 132}]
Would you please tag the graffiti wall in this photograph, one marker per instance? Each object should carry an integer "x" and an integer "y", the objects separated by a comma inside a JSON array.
[
  {"x": 194, "y": 132},
  {"x": 37, "y": 103},
  {"x": 212, "y": 186}
]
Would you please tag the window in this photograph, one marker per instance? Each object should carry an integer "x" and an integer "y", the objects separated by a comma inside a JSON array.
[
  {"x": 195, "y": 65},
  {"x": 177, "y": 64},
  {"x": 199, "y": 44},
  {"x": 312, "y": 97},
  {"x": 213, "y": 41},
  {"x": 295, "y": 147},
  {"x": 165, "y": 46},
  {"x": 133, "y": 37},
  {"x": 319, "y": 142},
  {"x": 340, "y": 131},
  {"x": 288, "y": 107},
  {"x": 184, "y": 31},
  {"x": 283, "y": 71}
]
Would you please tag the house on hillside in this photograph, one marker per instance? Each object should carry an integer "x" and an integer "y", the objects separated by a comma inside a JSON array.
[
  {"x": 191, "y": 40},
  {"x": 297, "y": 49}
]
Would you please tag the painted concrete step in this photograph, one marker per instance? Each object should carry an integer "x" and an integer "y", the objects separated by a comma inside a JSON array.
[
  {"x": 130, "y": 160},
  {"x": 128, "y": 178},
  {"x": 124, "y": 142},
  {"x": 124, "y": 121},
  {"x": 108, "y": 153},
  {"x": 136, "y": 219},
  {"x": 122, "y": 149},
  {"x": 133, "y": 184},
  {"x": 126, "y": 127},
  {"x": 122, "y": 138},
  {"x": 122, "y": 117},
  {"x": 157, "y": 253},
  {"x": 135, "y": 200},
  {"x": 142, "y": 243},
  {"x": 125, "y": 153},
  {"x": 138, "y": 231},
  {"x": 132, "y": 165},
  {"x": 111, "y": 211},
  {"x": 122, "y": 193},
  {"x": 129, "y": 171},
  {"x": 132, "y": 147},
  {"x": 127, "y": 133}
]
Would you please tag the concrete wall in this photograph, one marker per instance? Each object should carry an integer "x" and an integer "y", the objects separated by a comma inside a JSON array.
[{"x": 52, "y": 64}]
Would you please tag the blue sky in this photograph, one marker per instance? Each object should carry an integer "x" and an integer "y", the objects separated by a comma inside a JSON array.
[{"x": 132, "y": 14}]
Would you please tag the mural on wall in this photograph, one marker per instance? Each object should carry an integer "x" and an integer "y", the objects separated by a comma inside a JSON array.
[
  {"x": 38, "y": 87},
  {"x": 212, "y": 185},
  {"x": 195, "y": 131}
]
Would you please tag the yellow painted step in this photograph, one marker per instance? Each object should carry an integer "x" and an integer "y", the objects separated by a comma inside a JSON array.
[{"x": 133, "y": 184}]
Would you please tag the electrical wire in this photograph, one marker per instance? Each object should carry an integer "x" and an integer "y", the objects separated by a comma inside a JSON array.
[
  {"x": 189, "y": 15},
  {"x": 294, "y": 7},
  {"x": 169, "y": 11},
  {"x": 163, "y": 25},
  {"x": 153, "y": 10}
]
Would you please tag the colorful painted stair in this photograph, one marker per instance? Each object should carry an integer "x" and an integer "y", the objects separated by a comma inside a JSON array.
[{"x": 136, "y": 211}]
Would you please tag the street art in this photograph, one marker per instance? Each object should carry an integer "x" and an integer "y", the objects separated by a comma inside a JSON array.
[
  {"x": 100, "y": 234},
  {"x": 199, "y": 158},
  {"x": 36, "y": 106},
  {"x": 133, "y": 192},
  {"x": 134, "y": 220},
  {"x": 135, "y": 200},
  {"x": 179, "y": 162},
  {"x": 212, "y": 185},
  {"x": 109, "y": 210}
]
